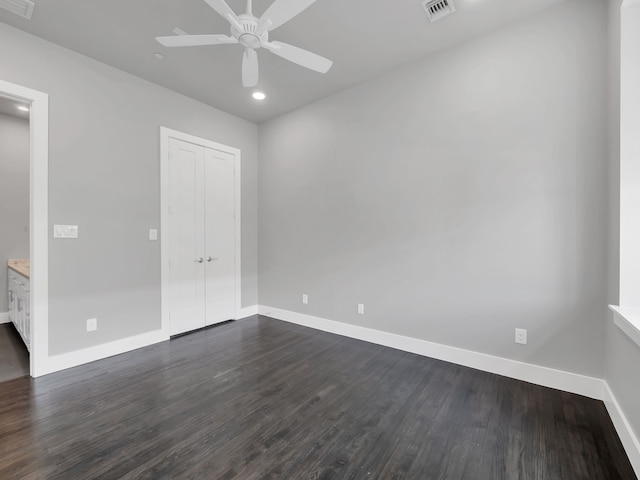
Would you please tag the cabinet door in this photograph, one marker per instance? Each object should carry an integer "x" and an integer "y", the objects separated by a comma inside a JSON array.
[
  {"x": 186, "y": 237},
  {"x": 27, "y": 316},
  {"x": 12, "y": 298},
  {"x": 15, "y": 310},
  {"x": 22, "y": 313},
  {"x": 219, "y": 236}
]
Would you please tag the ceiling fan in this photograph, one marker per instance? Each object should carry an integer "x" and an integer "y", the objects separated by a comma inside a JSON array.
[{"x": 253, "y": 33}]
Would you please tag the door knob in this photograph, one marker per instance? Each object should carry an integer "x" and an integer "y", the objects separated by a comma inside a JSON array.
[
  {"x": 209, "y": 259},
  {"x": 200, "y": 260}
]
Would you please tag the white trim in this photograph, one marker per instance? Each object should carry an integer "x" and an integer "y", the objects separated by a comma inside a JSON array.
[
  {"x": 628, "y": 320},
  {"x": 627, "y": 436},
  {"x": 39, "y": 221},
  {"x": 105, "y": 350},
  {"x": 165, "y": 134},
  {"x": 4, "y": 318},
  {"x": 548, "y": 377},
  {"x": 247, "y": 312},
  {"x": 238, "y": 227}
]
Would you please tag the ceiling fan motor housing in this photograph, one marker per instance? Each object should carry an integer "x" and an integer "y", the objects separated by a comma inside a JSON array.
[{"x": 247, "y": 37}]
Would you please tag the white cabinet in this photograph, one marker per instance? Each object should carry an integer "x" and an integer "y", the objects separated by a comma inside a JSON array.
[{"x": 20, "y": 305}]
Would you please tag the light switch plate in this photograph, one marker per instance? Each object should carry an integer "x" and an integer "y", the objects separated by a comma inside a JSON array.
[
  {"x": 65, "y": 231},
  {"x": 153, "y": 234}
]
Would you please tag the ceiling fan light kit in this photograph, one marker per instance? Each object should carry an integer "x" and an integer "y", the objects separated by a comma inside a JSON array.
[{"x": 252, "y": 33}]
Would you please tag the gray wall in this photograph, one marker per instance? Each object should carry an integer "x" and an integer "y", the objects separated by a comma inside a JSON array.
[
  {"x": 622, "y": 356},
  {"x": 104, "y": 177},
  {"x": 14, "y": 196},
  {"x": 458, "y": 199}
]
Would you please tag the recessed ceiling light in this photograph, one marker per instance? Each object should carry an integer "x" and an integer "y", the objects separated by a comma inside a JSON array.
[
  {"x": 22, "y": 108},
  {"x": 159, "y": 56},
  {"x": 259, "y": 95}
]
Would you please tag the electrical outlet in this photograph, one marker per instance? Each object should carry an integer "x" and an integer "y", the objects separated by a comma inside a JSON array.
[
  {"x": 92, "y": 325},
  {"x": 361, "y": 308},
  {"x": 305, "y": 298},
  {"x": 521, "y": 336},
  {"x": 153, "y": 234}
]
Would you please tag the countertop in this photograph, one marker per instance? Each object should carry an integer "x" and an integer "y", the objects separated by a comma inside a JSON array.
[{"x": 19, "y": 265}]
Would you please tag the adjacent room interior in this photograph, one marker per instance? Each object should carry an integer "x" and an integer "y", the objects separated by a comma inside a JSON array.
[
  {"x": 320, "y": 239},
  {"x": 14, "y": 239}
]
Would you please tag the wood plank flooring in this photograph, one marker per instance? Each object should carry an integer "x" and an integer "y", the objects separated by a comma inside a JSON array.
[
  {"x": 14, "y": 356},
  {"x": 263, "y": 399}
]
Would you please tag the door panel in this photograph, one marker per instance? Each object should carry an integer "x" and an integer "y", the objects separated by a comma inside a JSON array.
[
  {"x": 186, "y": 213},
  {"x": 220, "y": 236}
]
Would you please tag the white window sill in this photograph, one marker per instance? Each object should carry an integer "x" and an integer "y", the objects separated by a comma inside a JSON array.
[{"x": 628, "y": 320}]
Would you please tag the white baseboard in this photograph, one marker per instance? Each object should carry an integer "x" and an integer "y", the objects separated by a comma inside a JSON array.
[
  {"x": 547, "y": 377},
  {"x": 248, "y": 312},
  {"x": 63, "y": 361},
  {"x": 4, "y": 317},
  {"x": 627, "y": 436},
  {"x": 56, "y": 363}
]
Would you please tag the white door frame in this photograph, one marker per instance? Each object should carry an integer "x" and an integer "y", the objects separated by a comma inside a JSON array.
[
  {"x": 165, "y": 135},
  {"x": 38, "y": 222}
]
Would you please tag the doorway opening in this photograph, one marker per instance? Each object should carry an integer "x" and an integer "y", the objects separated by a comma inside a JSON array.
[
  {"x": 15, "y": 315},
  {"x": 24, "y": 238}
]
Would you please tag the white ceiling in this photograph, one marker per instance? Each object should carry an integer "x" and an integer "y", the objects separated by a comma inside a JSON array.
[
  {"x": 9, "y": 106},
  {"x": 364, "y": 38}
]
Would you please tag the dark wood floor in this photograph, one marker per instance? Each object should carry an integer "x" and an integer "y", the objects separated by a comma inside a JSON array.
[
  {"x": 263, "y": 399},
  {"x": 14, "y": 356}
]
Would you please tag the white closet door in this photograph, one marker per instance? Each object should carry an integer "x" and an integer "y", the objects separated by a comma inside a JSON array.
[
  {"x": 219, "y": 235},
  {"x": 187, "y": 236}
]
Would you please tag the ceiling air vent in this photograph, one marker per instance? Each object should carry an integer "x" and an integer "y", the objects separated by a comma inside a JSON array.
[
  {"x": 438, "y": 9},
  {"x": 24, "y": 8}
]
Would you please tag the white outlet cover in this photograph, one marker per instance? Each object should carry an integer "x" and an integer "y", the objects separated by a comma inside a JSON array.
[
  {"x": 305, "y": 298},
  {"x": 361, "y": 308},
  {"x": 92, "y": 325},
  {"x": 153, "y": 234},
  {"x": 521, "y": 336}
]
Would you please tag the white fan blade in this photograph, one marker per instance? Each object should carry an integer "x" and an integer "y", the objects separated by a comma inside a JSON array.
[
  {"x": 297, "y": 55},
  {"x": 281, "y": 11},
  {"x": 221, "y": 7},
  {"x": 250, "y": 68},
  {"x": 195, "y": 40},
  {"x": 225, "y": 12}
]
